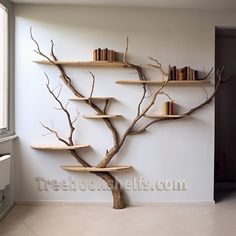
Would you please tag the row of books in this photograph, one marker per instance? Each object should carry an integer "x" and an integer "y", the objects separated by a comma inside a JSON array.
[
  {"x": 104, "y": 54},
  {"x": 167, "y": 108},
  {"x": 185, "y": 73}
]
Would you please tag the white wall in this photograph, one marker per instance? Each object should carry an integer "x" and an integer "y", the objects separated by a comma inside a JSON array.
[{"x": 181, "y": 150}]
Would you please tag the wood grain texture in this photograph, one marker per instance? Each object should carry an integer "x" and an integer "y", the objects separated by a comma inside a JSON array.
[
  {"x": 102, "y": 116},
  {"x": 156, "y": 82},
  {"x": 95, "y": 169},
  {"x": 91, "y": 98},
  {"x": 59, "y": 147},
  {"x": 83, "y": 63},
  {"x": 164, "y": 116}
]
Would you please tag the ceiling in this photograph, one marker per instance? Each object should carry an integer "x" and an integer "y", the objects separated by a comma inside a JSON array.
[{"x": 176, "y": 4}]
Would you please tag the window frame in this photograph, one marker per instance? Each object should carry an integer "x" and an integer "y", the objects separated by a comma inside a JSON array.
[{"x": 10, "y": 130}]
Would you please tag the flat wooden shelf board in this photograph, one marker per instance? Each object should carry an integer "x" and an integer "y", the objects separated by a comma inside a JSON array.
[
  {"x": 84, "y": 63},
  {"x": 94, "y": 169},
  {"x": 92, "y": 98},
  {"x": 164, "y": 116},
  {"x": 155, "y": 82},
  {"x": 101, "y": 116},
  {"x": 59, "y": 147}
]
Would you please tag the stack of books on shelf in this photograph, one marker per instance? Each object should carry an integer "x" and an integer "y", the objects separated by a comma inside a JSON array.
[
  {"x": 167, "y": 108},
  {"x": 185, "y": 73},
  {"x": 104, "y": 55}
]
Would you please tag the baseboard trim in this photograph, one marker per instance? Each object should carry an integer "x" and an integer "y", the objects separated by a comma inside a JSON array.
[
  {"x": 70, "y": 203},
  {"x": 203, "y": 203},
  {"x": 62, "y": 203}
]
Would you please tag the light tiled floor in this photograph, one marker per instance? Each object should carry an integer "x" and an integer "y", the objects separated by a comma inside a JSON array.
[{"x": 162, "y": 220}]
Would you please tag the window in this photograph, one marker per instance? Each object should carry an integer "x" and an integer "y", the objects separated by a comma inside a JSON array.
[{"x": 4, "y": 74}]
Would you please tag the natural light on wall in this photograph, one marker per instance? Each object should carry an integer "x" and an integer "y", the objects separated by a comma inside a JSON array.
[{"x": 3, "y": 69}]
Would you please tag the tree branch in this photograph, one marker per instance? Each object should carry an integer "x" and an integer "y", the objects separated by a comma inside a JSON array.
[
  {"x": 51, "y": 130},
  {"x": 63, "y": 108},
  {"x": 109, "y": 156},
  {"x": 167, "y": 95},
  {"x": 188, "y": 113},
  {"x": 65, "y": 78},
  {"x": 106, "y": 106},
  {"x": 93, "y": 83},
  {"x": 158, "y": 66}
]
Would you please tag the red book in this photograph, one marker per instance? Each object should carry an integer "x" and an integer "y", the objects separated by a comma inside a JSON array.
[
  {"x": 171, "y": 108},
  {"x": 99, "y": 56},
  {"x": 177, "y": 74}
]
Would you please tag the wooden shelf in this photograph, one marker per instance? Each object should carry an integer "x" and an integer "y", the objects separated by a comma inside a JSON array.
[
  {"x": 95, "y": 169},
  {"x": 92, "y": 98},
  {"x": 84, "y": 63},
  {"x": 156, "y": 82},
  {"x": 59, "y": 147},
  {"x": 164, "y": 116},
  {"x": 102, "y": 116}
]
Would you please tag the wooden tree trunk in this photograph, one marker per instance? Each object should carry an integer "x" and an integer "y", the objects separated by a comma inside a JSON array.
[
  {"x": 114, "y": 185},
  {"x": 117, "y": 192}
]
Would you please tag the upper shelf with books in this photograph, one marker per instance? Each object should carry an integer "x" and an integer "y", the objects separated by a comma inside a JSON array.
[
  {"x": 85, "y": 63},
  {"x": 158, "y": 82}
]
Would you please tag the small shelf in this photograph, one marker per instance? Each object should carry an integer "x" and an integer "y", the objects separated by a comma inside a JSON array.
[
  {"x": 156, "y": 82},
  {"x": 164, "y": 116},
  {"x": 91, "y": 98},
  {"x": 95, "y": 169},
  {"x": 57, "y": 147},
  {"x": 102, "y": 116},
  {"x": 84, "y": 63}
]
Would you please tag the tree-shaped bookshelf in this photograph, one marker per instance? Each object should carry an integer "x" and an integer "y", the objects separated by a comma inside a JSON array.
[{"x": 103, "y": 169}]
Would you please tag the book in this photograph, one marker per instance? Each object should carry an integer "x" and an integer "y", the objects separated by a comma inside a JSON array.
[
  {"x": 193, "y": 75},
  {"x": 165, "y": 108},
  {"x": 110, "y": 55},
  {"x": 181, "y": 74},
  {"x": 113, "y": 55},
  {"x": 105, "y": 54},
  {"x": 171, "y": 108},
  {"x": 196, "y": 75},
  {"x": 170, "y": 75},
  {"x": 99, "y": 54},
  {"x": 174, "y": 73},
  {"x": 185, "y": 73},
  {"x": 190, "y": 74},
  {"x": 95, "y": 55},
  {"x": 177, "y": 74}
]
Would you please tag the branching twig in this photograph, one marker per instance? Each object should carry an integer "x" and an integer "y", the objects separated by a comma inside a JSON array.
[
  {"x": 55, "y": 132},
  {"x": 126, "y": 52},
  {"x": 167, "y": 95},
  {"x": 65, "y": 78},
  {"x": 190, "y": 112},
  {"x": 63, "y": 108},
  {"x": 93, "y": 83},
  {"x": 142, "y": 99},
  {"x": 206, "y": 76},
  {"x": 109, "y": 156},
  {"x": 106, "y": 106},
  {"x": 158, "y": 66},
  {"x": 77, "y": 116}
]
